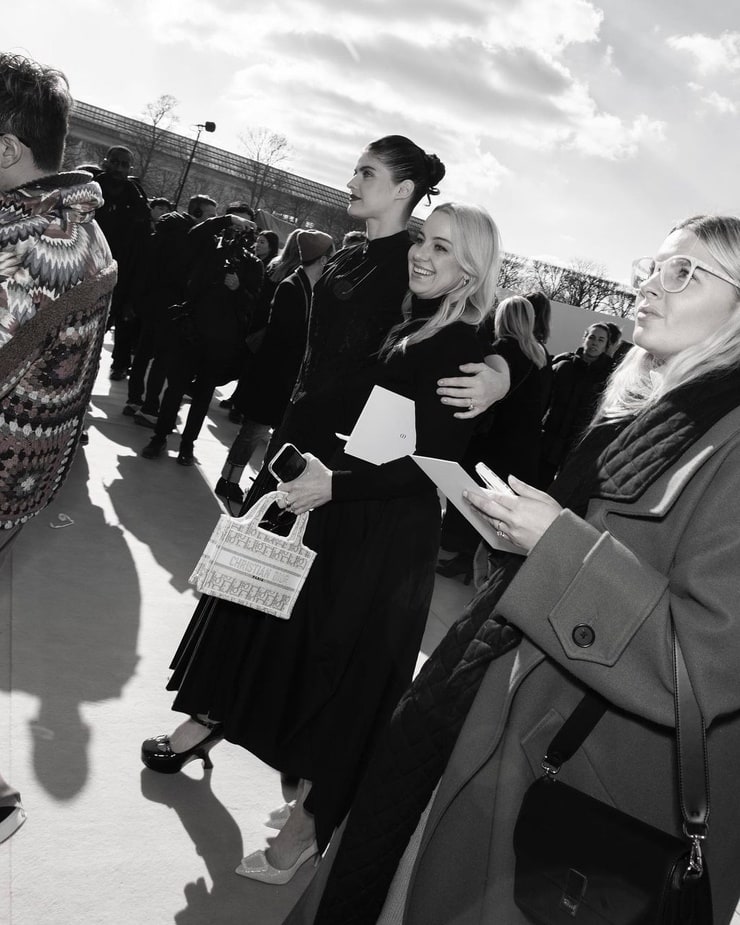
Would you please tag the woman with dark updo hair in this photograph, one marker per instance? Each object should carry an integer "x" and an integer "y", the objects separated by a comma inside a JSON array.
[{"x": 308, "y": 695}]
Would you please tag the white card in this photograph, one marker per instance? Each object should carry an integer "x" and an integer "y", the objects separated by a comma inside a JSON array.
[
  {"x": 452, "y": 480},
  {"x": 385, "y": 430}
]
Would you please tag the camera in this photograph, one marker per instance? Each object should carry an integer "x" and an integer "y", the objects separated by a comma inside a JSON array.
[
  {"x": 287, "y": 464},
  {"x": 232, "y": 243}
]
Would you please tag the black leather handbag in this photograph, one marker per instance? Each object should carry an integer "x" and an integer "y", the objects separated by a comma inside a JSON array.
[{"x": 581, "y": 861}]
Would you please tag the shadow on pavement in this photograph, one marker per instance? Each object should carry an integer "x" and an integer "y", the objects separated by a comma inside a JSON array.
[{"x": 75, "y": 613}]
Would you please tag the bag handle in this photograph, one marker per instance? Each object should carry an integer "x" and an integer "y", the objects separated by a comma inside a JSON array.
[
  {"x": 258, "y": 510},
  {"x": 691, "y": 749}
]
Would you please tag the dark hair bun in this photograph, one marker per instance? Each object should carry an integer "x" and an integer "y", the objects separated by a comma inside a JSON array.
[{"x": 435, "y": 172}]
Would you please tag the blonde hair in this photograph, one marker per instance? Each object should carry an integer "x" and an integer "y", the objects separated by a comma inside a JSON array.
[
  {"x": 476, "y": 245},
  {"x": 288, "y": 260},
  {"x": 641, "y": 380},
  {"x": 515, "y": 318}
]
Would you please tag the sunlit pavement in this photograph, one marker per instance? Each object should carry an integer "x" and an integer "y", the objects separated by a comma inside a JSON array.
[{"x": 92, "y": 606}]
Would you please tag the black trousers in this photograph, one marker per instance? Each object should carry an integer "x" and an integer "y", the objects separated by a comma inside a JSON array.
[
  {"x": 187, "y": 371},
  {"x": 148, "y": 369}
]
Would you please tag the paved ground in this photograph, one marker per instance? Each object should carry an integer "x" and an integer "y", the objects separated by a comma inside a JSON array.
[{"x": 91, "y": 608}]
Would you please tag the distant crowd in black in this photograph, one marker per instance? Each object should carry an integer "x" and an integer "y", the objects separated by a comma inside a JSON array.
[{"x": 197, "y": 305}]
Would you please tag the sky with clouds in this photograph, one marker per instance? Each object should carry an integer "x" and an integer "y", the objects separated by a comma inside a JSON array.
[{"x": 586, "y": 128}]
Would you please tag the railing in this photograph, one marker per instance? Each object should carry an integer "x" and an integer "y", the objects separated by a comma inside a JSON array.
[{"x": 178, "y": 146}]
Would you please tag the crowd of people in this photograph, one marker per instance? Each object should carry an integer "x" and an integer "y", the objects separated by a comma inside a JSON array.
[
  {"x": 204, "y": 299},
  {"x": 622, "y": 466}
]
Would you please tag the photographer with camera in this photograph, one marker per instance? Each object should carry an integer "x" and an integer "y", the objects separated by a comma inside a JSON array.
[{"x": 209, "y": 328}]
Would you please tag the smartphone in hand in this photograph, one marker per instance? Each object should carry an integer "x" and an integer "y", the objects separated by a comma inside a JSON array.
[
  {"x": 492, "y": 480},
  {"x": 287, "y": 464}
]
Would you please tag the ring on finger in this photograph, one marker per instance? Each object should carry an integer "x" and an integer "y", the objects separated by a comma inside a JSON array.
[{"x": 471, "y": 405}]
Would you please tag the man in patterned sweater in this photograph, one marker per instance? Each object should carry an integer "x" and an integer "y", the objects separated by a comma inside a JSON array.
[{"x": 50, "y": 246}]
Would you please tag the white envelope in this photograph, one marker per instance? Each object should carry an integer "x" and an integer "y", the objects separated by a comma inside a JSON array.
[
  {"x": 452, "y": 480},
  {"x": 385, "y": 430}
]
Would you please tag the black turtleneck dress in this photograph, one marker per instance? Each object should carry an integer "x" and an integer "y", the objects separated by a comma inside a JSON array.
[{"x": 309, "y": 695}]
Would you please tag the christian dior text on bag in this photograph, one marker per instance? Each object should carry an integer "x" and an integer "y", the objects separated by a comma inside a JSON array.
[{"x": 248, "y": 565}]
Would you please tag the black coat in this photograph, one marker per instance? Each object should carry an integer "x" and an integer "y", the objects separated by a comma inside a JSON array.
[
  {"x": 220, "y": 316},
  {"x": 267, "y": 384},
  {"x": 166, "y": 266},
  {"x": 509, "y": 439},
  {"x": 126, "y": 222},
  {"x": 576, "y": 388}
]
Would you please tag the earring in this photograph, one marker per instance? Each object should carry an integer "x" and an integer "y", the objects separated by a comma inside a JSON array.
[{"x": 466, "y": 280}]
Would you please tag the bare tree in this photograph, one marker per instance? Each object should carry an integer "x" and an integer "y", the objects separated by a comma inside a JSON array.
[
  {"x": 266, "y": 150},
  {"x": 296, "y": 209},
  {"x": 512, "y": 272},
  {"x": 160, "y": 117},
  {"x": 582, "y": 284},
  {"x": 332, "y": 220},
  {"x": 620, "y": 301},
  {"x": 585, "y": 285},
  {"x": 545, "y": 277}
]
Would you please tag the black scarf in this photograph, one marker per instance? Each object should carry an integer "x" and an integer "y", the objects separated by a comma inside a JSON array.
[{"x": 614, "y": 460}]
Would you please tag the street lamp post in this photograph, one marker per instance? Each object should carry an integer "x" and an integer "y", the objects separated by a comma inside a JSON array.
[{"x": 209, "y": 127}]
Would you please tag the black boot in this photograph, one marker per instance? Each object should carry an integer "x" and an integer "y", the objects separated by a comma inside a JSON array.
[
  {"x": 155, "y": 448},
  {"x": 185, "y": 456},
  {"x": 229, "y": 490}
]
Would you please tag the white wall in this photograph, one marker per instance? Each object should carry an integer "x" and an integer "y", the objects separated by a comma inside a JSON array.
[{"x": 568, "y": 324}]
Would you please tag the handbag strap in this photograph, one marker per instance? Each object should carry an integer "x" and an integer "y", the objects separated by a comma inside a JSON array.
[
  {"x": 573, "y": 732},
  {"x": 258, "y": 510},
  {"x": 691, "y": 745},
  {"x": 691, "y": 749}
]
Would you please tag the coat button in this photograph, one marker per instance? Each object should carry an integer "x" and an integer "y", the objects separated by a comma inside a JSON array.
[{"x": 583, "y": 636}]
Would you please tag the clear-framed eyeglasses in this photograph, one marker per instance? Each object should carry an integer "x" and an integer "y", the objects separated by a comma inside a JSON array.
[{"x": 675, "y": 273}]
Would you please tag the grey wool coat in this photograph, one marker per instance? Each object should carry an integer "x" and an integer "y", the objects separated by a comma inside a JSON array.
[{"x": 628, "y": 571}]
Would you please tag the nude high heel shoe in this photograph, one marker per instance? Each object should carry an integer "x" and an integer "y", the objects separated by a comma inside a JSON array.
[{"x": 255, "y": 866}]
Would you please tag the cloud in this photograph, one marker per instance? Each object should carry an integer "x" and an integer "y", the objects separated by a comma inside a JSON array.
[
  {"x": 713, "y": 99},
  {"x": 508, "y": 23},
  {"x": 609, "y": 62},
  {"x": 476, "y": 81},
  {"x": 711, "y": 55},
  {"x": 462, "y": 78},
  {"x": 721, "y": 103},
  {"x": 486, "y": 94},
  {"x": 547, "y": 27},
  {"x": 603, "y": 135},
  {"x": 475, "y": 169}
]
